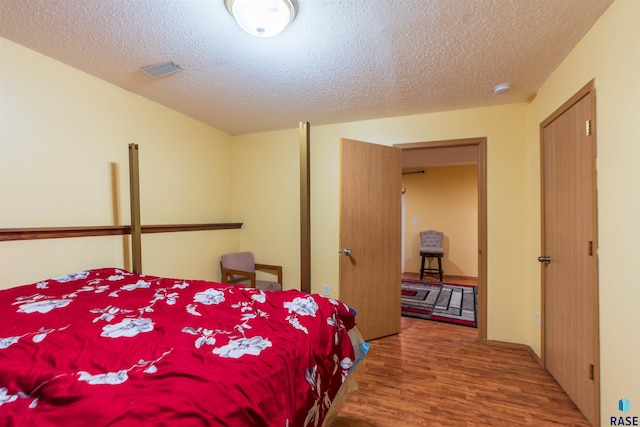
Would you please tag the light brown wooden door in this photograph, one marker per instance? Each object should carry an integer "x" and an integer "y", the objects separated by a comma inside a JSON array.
[
  {"x": 569, "y": 241},
  {"x": 370, "y": 220}
]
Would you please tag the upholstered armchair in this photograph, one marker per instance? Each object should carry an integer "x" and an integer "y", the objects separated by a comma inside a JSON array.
[{"x": 240, "y": 269}]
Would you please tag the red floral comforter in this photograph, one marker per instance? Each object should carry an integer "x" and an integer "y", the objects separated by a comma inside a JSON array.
[{"x": 110, "y": 348}]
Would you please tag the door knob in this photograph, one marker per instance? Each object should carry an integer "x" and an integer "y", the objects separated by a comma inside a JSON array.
[
  {"x": 545, "y": 258},
  {"x": 345, "y": 251}
]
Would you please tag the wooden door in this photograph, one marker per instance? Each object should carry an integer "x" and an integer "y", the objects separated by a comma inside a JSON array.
[
  {"x": 370, "y": 221},
  {"x": 569, "y": 244}
]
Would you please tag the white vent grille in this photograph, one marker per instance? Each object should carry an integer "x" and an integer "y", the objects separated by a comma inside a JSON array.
[{"x": 159, "y": 70}]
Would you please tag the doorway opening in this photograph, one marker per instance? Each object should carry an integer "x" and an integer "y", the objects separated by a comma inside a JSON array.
[{"x": 417, "y": 156}]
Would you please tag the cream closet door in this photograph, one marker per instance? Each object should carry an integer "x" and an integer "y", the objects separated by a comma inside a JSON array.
[
  {"x": 569, "y": 260},
  {"x": 370, "y": 235}
]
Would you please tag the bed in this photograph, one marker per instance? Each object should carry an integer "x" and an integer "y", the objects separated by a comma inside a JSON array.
[{"x": 107, "y": 347}]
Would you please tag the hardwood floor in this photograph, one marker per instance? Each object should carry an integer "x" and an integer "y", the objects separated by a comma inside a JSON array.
[{"x": 436, "y": 374}]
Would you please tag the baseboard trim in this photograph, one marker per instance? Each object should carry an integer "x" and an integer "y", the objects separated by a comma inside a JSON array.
[{"x": 516, "y": 346}]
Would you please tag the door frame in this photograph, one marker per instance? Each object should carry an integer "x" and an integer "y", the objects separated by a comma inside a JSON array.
[
  {"x": 587, "y": 89},
  {"x": 481, "y": 144}
]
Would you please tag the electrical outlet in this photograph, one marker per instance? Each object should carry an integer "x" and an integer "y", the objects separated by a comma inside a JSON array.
[
  {"x": 538, "y": 319},
  {"x": 326, "y": 290}
]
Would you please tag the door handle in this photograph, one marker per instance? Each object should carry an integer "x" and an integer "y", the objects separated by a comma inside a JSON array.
[
  {"x": 345, "y": 251},
  {"x": 544, "y": 258}
]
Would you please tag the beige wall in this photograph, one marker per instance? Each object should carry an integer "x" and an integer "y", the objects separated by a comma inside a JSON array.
[
  {"x": 64, "y": 162},
  {"x": 610, "y": 54},
  {"x": 265, "y": 196},
  {"x": 443, "y": 199}
]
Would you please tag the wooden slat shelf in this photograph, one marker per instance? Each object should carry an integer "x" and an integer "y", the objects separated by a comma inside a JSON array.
[{"x": 35, "y": 233}]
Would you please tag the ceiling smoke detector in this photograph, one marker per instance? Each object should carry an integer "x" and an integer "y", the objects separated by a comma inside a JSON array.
[
  {"x": 159, "y": 70},
  {"x": 501, "y": 88}
]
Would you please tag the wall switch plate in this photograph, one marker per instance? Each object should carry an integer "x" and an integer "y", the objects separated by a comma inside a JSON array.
[
  {"x": 415, "y": 222},
  {"x": 538, "y": 319},
  {"x": 326, "y": 290}
]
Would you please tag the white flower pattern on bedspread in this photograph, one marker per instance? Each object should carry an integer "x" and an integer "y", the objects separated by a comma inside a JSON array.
[
  {"x": 43, "y": 306},
  {"x": 6, "y": 342},
  {"x": 127, "y": 328},
  {"x": 108, "y": 313},
  {"x": 5, "y": 397},
  {"x": 303, "y": 306},
  {"x": 238, "y": 348},
  {"x": 139, "y": 284},
  {"x": 71, "y": 277},
  {"x": 210, "y": 296},
  {"x": 211, "y": 323},
  {"x": 112, "y": 378},
  {"x": 206, "y": 336},
  {"x": 38, "y": 336}
]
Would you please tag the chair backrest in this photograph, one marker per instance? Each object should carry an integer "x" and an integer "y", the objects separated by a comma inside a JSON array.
[
  {"x": 239, "y": 261},
  {"x": 431, "y": 239}
]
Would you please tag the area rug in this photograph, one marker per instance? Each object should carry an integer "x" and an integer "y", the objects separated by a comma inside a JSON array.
[{"x": 442, "y": 302}]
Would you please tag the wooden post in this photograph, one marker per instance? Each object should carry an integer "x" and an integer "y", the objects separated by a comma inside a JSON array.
[
  {"x": 134, "y": 194},
  {"x": 305, "y": 209}
]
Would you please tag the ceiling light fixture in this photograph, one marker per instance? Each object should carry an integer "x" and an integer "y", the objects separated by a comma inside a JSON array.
[{"x": 262, "y": 18}]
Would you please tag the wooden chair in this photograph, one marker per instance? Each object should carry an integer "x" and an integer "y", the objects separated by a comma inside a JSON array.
[
  {"x": 431, "y": 242},
  {"x": 240, "y": 269}
]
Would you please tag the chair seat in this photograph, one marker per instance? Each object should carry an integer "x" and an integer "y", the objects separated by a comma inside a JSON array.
[
  {"x": 264, "y": 285},
  {"x": 431, "y": 251}
]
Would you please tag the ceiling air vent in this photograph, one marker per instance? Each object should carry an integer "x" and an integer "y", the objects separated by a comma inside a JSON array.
[{"x": 159, "y": 70}]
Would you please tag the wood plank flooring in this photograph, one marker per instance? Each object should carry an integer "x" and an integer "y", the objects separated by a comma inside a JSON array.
[{"x": 436, "y": 374}]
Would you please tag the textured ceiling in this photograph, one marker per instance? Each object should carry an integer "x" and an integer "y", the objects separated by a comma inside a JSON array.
[{"x": 339, "y": 61}]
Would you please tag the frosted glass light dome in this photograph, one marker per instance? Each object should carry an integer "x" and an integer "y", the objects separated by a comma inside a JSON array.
[{"x": 262, "y": 18}]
